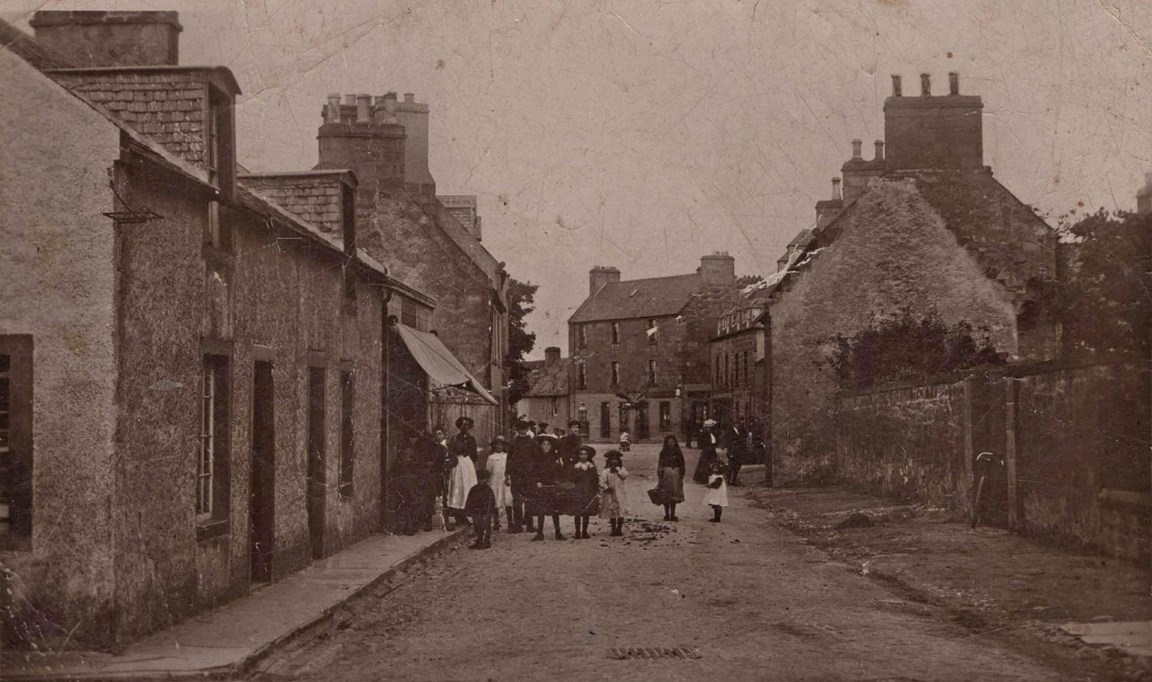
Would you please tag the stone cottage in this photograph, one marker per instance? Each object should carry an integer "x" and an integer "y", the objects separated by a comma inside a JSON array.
[
  {"x": 925, "y": 228},
  {"x": 194, "y": 377}
]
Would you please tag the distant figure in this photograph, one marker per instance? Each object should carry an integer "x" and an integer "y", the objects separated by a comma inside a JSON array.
[
  {"x": 717, "y": 495},
  {"x": 736, "y": 441},
  {"x": 587, "y": 480},
  {"x": 434, "y": 453},
  {"x": 708, "y": 444},
  {"x": 625, "y": 441},
  {"x": 481, "y": 507},
  {"x": 497, "y": 466},
  {"x": 670, "y": 468},
  {"x": 614, "y": 499}
]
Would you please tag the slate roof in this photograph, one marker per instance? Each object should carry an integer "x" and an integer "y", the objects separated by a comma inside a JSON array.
[
  {"x": 315, "y": 196},
  {"x": 639, "y": 298},
  {"x": 549, "y": 380}
]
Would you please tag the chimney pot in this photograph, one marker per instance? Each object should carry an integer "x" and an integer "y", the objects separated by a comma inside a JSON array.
[
  {"x": 363, "y": 104},
  {"x": 856, "y": 146},
  {"x": 410, "y": 97},
  {"x": 390, "y": 103},
  {"x": 896, "y": 86},
  {"x": 332, "y": 111},
  {"x": 836, "y": 189},
  {"x": 954, "y": 83},
  {"x": 925, "y": 85},
  {"x": 350, "y": 100},
  {"x": 879, "y": 150},
  {"x": 551, "y": 355}
]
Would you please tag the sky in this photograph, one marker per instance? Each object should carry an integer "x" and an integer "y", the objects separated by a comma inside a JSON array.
[{"x": 644, "y": 134}]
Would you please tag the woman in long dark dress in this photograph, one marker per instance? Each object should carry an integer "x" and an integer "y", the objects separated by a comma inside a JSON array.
[
  {"x": 671, "y": 470},
  {"x": 708, "y": 444}
]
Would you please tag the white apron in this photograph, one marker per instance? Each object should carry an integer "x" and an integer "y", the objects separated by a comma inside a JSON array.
[{"x": 460, "y": 481}]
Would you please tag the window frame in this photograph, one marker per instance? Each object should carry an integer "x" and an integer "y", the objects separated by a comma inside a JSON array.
[
  {"x": 581, "y": 375},
  {"x": 614, "y": 373},
  {"x": 652, "y": 377},
  {"x": 615, "y": 333},
  {"x": 653, "y": 332},
  {"x": 214, "y": 450}
]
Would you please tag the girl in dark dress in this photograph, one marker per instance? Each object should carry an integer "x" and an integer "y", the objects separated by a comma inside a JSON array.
[
  {"x": 587, "y": 480},
  {"x": 548, "y": 474},
  {"x": 671, "y": 470}
]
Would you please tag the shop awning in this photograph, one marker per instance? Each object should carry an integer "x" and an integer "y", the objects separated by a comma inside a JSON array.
[{"x": 438, "y": 362}]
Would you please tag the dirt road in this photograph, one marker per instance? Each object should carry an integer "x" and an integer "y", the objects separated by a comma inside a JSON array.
[{"x": 749, "y": 598}]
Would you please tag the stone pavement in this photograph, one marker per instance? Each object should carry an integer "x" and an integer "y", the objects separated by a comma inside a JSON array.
[
  {"x": 227, "y": 640},
  {"x": 1133, "y": 638}
]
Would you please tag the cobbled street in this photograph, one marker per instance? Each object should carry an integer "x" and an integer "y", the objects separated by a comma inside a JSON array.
[{"x": 747, "y": 599}]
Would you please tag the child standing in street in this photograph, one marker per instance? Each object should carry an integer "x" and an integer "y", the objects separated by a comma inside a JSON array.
[
  {"x": 587, "y": 481},
  {"x": 614, "y": 501},
  {"x": 481, "y": 507},
  {"x": 497, "y": 465},
  {"x": 625, "y": 441},
  {"x": 717, "y": 495}
]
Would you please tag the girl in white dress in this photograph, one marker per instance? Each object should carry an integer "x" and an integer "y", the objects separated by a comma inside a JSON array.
[
  {"x": 717, "y": 495},
  {"x": 498, "y": 478},
  {"x": 613, "y": 500},
  {"x": 460, "y": 481}
]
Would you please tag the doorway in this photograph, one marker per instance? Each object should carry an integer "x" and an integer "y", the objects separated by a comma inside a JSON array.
[
  {"x": 261, "y": 496},
  {"x": 317, "y": 490}
]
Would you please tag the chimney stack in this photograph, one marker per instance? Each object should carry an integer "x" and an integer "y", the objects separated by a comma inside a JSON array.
[
  {"x": 717, "y": 270},
  {"x": 98, "y": 38},
  {"x": 879, "y": 150},
  {"x": 857, "y": 145},
  {"x": 363, "y": 105},
  {"x": 934, "y": 133},
  {"x": 896, "y": 86},
  {"x": 551, "y": 355},
  {"x": 601, "y": 275}
]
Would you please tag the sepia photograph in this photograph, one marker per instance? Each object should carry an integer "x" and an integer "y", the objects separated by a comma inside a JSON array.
[{"x": 453, "y": 340}]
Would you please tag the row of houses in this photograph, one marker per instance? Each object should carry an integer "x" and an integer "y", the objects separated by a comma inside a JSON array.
[
  {"x": 922, "y": 229},
  {"x": 206, "y": 373}
]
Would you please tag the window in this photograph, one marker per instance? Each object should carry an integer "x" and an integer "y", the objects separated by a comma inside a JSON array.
[
  {"x": 652, "y": 332},
  {"x": 651, "y": 372},
  {"x": 747, "y": 376},
  {"x": 727, "y": 372},
  {"x": 615, "y": 333},
  {"x": 665, "y": 416},
  {"x": 555, "y": 406},
  {"x": 581, "y": 375},
  {"x": 15, "y": 441},
  {"x": 582, "y": 336},
  {"x": 347, "y": 432},
  {"x": 716, "y": 373},
  {"x": 615, "y": 373},
  {"x": 212, "y": 466}
]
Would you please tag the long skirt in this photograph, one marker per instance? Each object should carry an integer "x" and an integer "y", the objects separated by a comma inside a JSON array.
[
  {"x": 497, "y": 469},
  {"x": 460, "y": 481},
  {"x": 672, "y": 483},
  {"x": 704, "y": 466}
]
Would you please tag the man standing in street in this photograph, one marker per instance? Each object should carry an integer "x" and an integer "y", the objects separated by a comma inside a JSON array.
[
  {"x": 735, "y": 439},
  {"x": 523, "y": 457},
  {"x": 570, "y": 445},
  {"x": 435, "y": 458}
]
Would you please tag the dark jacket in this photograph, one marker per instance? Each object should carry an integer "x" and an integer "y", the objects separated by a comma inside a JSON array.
[
  {"x": 569, "y": 449},
  {"x": 463, "y": 444},
  {"x": 672, "y": 457},
  {"x": 481, "y": 500},
  {"x": 523, "y": 452}
]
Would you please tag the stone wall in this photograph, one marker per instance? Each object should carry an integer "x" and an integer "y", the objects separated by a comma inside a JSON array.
[
  {"x": 58, "y": 285},
  {"x": 1074, "y": 440}
]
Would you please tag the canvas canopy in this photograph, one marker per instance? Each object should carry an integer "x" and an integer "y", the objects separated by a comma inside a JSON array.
[{"x": 438, "y": 362}]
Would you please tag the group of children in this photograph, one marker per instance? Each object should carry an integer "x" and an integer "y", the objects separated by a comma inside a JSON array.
[{"x": 586, "y": 491}]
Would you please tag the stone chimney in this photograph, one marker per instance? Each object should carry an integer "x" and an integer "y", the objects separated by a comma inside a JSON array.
[
  {"x": 858, "y": 173},
  {"x": 414, "y": 117},
  {"x": 933, "y": 133},
  {"x": 551, "y": 355},
  {"x": 717, "y": 270},
  {"x": 97, "y": 38},
  {"x": 600, "y": 275},
  {"x": 1144, "y": 196},
  {"x": 361, "y": 135},
  {"x": 826, "y": 211}
]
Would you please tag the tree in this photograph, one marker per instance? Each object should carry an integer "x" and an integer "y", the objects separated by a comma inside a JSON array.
[
  {"x": 521, "y": 296},
  {"x": 1103, "y": 302}
]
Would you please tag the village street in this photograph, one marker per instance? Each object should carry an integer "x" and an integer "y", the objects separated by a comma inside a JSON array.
[{"x": 750, "y": 597}]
